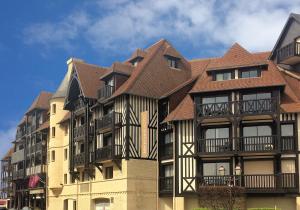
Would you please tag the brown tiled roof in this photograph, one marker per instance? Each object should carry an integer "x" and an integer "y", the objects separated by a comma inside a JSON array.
[
  {"x": 22, "y": 121},
  {"x": 65, "y": 118},
  {"x": 236, "y": 57},
  {"x": 89, "y": 78},
  {"x": 137, "y": 53},
  {"x": 8, "y": 154},
  {"x": 184, "y": 111},
  {"x": 269, "y": 77},
  {"x": 41, "y": 102},
  {"x": 198, "y": 66},
  {"x": 120, "y": 68},
  {"x": 153, "y": 77}
]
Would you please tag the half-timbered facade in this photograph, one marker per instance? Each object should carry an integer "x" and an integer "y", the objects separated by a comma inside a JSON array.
[
  {"x": 236, "y": 125},
  {"x": 29, "y": 157},
  {"x": 6, "y": 188}
]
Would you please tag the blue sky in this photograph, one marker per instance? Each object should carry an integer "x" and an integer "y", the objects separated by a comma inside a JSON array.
[{"x": 37, "y": 37}]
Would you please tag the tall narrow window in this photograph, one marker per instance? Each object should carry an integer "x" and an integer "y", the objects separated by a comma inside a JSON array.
[
  {"x": 53, "y": 132},
  {"x": 65, "y": 178},
  {"x": 53, "y": 108},
  {"x": 66, "y": 154},
  {"x": 109, "y": 172},
  {"x": 53, "y": 155}
]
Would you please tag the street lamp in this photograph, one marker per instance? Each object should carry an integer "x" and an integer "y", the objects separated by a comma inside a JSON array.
[
  {"x": 238, "y": 170},
  {"x": 222, "y": 171}
]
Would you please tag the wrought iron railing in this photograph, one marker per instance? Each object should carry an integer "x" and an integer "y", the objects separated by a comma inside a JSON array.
[
  {"x": 109, "y": 121},
  {"x": 214, "y": 145},
  {"x": 166, "y": 184},
  {"x": 258, "y": 143},
  {"x": 105, "y": 92},
  {"x": 79, "y": 159},
  {"x": 108, "y": 152},
  {"x": 287, "y": 51}
]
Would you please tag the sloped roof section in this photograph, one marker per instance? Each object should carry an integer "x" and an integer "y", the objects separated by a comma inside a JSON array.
[
  {"x": 138, "y": 53},
  {"x": 144, "y": 78},
  {"x": 66, "y": 118},
  {"x": 62, "y": 89},
  {"x": 235, "y": 57},
  {"x": 120, "y": 68},
  {"x": 8, "y": 154},
  {"x": 184, "y": 111},
  {"x": 41, "y": 102},
  {"x": 89, "y": 78}
]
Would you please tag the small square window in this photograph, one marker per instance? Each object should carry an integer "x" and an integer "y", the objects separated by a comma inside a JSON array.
[
  {"x": 221, "y": 76},
  {"x": 109, "y": 172},
  {"x": 66, "y": 154},
  {"x": 249, "y": 73},
  {"x": 172, "y": 62}
]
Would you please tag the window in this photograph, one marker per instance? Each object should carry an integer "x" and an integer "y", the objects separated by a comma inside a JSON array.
[
  {"x": 262, "y": 130},
  {"x": 172, "y": 62},
  {"x": 287, "y": 130},
  {"x": 217, "y": 99},
  {"x": 81, "y": 148},
  {"x": 165, "y": 109},
  {"x": 65, "y": 178},
  {"x": 223, "y": 76},
  {"x": 168, "y": 145},
  {"x": 168, "y": 170},
  {"x": 257, "y": 96},
  {"x": 53, "y": 108},
  {"x": 214, "y": 133},
  {"x": 53, "y": 155},
  {"x": 213, "y": 169},
  {"x": 109, "y": 172},
  {"x": 66, "y": 154},
  {"x": 288, "y": 166},
  {"x": 249, "y": 73},
  {"x": 66, "y": 127},
  {"x": 107, "y": 140},
  {"x": 53, "y": 132}
]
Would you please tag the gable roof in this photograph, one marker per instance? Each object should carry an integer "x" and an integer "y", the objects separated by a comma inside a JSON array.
[
  {"x": 8, "y": 154},
  {"x": 144, "y": 78},
  {"x": 62, "y": 89},
  {"x": 292, "y": 16},
  {"x": 41, "y": 102},
  {"x": 235, "y": 57},
  {"x": 138, "y": 53},
  {"x": 89, "y": 78},
  {"x": 120, "y": 68}
]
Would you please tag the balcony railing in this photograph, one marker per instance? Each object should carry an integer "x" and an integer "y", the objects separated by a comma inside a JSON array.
[
  {"x": 288, "y": 143},
  {"x": 289, "y": 51},
  {"x": 109, "y": 121},
  {"x": 285, "y": 182},
  {"x": 166, "y": 184},
  {"x": 79, "y": 159},
  {"x": 244, "y": 107},
  {"x": 105, "y": 92},
  {"x": 258, "y": 143},
  {"x": 214, "y": 109},
  {"x": 79, "y": 132},
  {"x": 214, "y": 145},
  {"x": 78, "y": 105},
  {"x": 108, "y": 153},
  {"x": 166, "y": 151},
  {"x": 18, "y": 174}
]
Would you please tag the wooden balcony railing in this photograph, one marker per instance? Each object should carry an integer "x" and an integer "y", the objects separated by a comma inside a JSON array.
[
  {"x": 110, "y": 152},
  {"x": 244, "y": 107},
  {"x": 79, "y": 132},
  {"x": 166, "y": 184},
  {"x": 214, "y": 145},
  {"x": 214, "y": 109},
  {"x": 259, "y": 106},
  {"x": 79, "y": 159},
  {"x": 288, "y": 51},
  {"x": 78, "y": 105},
  {"x": 288, "y": 143},
  {"x": 109, "y": 121},
  {"x": 258, "y": 143},
  {"x": 105, "y": 92},
  {"x": 275, "y": 183},
  {"x": 19, "y": 174}
]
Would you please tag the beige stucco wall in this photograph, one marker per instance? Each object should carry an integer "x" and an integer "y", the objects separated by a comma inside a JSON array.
[{"x": 165, "y": 203}]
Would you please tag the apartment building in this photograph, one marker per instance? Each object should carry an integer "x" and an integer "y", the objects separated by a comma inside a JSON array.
[
  {"x": 28, "y": 160},
  {"x": 5, "y": 179},
  {"x": 237, "y": 124}
]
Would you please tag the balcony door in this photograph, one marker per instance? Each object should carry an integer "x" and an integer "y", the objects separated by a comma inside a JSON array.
[
  {"x": 257, "y": 138},
  {"x": 216, "y": 140},
  {"x": 216, "y": 173}
]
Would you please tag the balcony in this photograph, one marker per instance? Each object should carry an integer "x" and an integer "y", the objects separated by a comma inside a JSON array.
[
  {"x": 108, "y": 153},
  {"x": 38, "y": 169},
  {"x": 288, "y": 143},
  {"x": 258, "y": 183},
  {"x": 18, "y": 174},
  {"x": 258, "y": 143},
  {"x": 166, "y": 185},
  {"x": 239, "y": 108},
  {"x": 79, "y": 132},
  {"x": 105, "y": 92},
  {"x": 289, "y": 54},
  {"x": 17, "y": 156},
  {"x": 217, "y": 145},
  {"x": 79, "y": 159},
  {"x": 108, "y": 122},
  {"x": 78, "y": 105}
]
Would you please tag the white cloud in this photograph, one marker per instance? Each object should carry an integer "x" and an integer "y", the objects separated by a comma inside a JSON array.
[{"x": 126, "y": 24}]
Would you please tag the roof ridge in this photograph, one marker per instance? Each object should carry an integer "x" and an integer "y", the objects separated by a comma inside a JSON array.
[{"x": 90, "y": 64}]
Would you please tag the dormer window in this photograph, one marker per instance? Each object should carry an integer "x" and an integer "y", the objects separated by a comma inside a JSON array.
[
  {"x": 136, "y": 61},
  {"x": 172, "y": 62},
  {"x": 249, "y": 73},
  {"x": 221, "y": 76}
]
